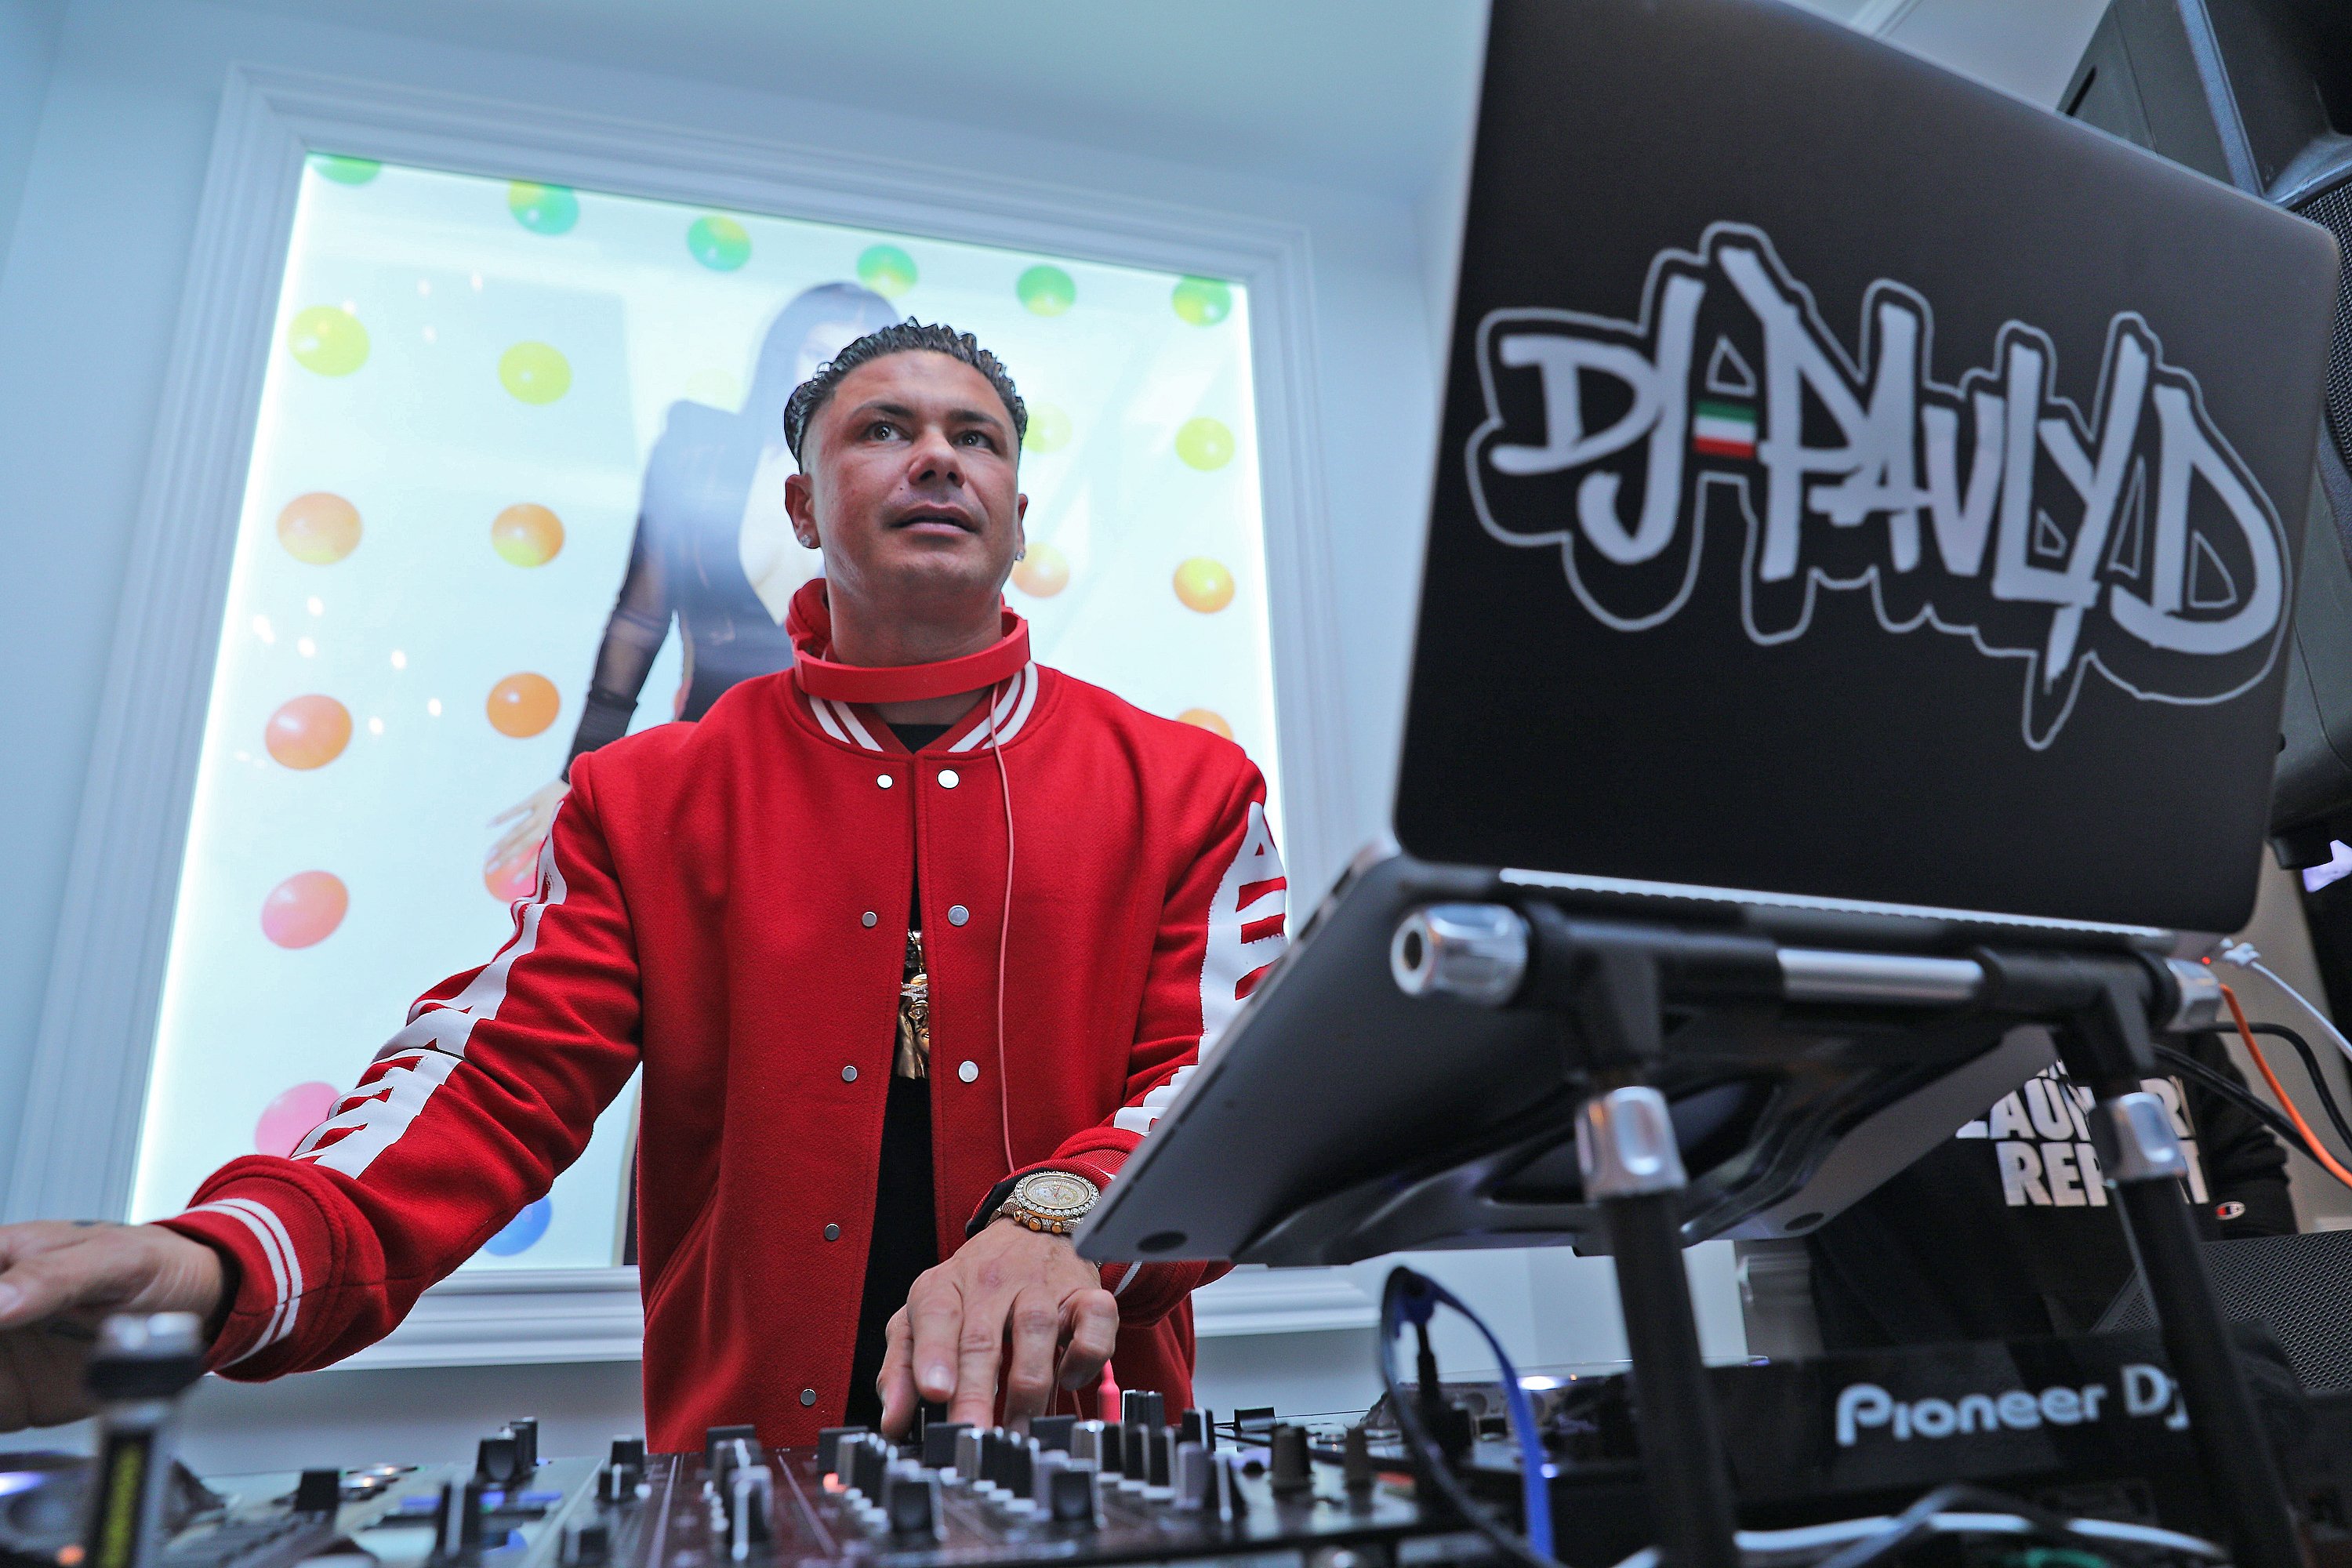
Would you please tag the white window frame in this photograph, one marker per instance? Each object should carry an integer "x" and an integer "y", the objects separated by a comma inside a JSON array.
[{"x": 95, "y": 1048}]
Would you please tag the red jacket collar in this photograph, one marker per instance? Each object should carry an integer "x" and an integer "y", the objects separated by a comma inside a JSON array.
[{"x": 809, "y": 623}]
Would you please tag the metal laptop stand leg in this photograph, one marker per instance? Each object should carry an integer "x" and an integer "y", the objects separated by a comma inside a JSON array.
[
  {"x": 2104, "y": 1041},
  {"x": 1626, "y": 1146}
]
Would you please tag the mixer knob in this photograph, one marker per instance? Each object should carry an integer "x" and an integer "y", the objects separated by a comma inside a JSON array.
[
  {"x": 457, "y": 1522},
  {"x": 1191, "y": 1474},
  {"x": 1019, "y": 1466},
  {"x": 871, "y": 1461},
  {"x": 628, "y": 1450},
  {"x": 716, "y": 1437},
  {"x": 1155, "y": 1408},
  {"x": 499, "y": 1459},
  {"x": 526, "y": 1436},
  {"x": 1356, "y": 1464},
  {"x": 911, "y": 1505},
  {"x": 1293, "y": 1472},
  {"x": 967, "y": 1454},
  {"x": 1070, "y": 1500},
  {"x": 587, "y": 1544},
  {"x": 1086, "y": 1442},
  {"x": 1157, "y": 1458},
  {"x": 1134, "y": 1457},
  {"x": 828, "y": 1447},
  {"x": 1225, "y": 1499},
  {"x": 319, "y": 1491},
  {"x": 751, "y": 1490},
  {"x": 940, "y": 1443},
  {"x": 1052, "y": 1432},
  {"x": 1194, "y": 1426}
]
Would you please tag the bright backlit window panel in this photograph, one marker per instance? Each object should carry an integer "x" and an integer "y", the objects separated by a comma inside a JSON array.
[{"x": 462, "y": 440}]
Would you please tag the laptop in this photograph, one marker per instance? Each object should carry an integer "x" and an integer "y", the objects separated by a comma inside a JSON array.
[{"x": 1865, "y": 504}]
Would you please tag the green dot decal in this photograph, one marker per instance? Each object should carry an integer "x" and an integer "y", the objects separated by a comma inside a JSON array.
[
  {"x": 542, "y": 209},
  {"x": 345, "y": 171},
  {"x": 886, "y": 269},
  {"x": 536, "y": 373},
  {"x": 1204, "y": 444},
  {"x": 1046, "y": 290},
  {"x": 718, "y": 243},
  {"x": 1049, "y": 429},
  {"x": 1203, "y": 302},
  {"x": 327, "y": 341}
]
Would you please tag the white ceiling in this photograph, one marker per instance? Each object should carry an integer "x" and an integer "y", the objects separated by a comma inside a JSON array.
[{"x": 1371, "y": 94}]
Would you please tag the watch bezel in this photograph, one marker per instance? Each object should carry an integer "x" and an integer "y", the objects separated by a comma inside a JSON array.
[{"x": 1024, "y": 1188}]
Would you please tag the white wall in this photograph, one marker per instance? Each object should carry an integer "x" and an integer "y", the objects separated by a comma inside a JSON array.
[{"x": 28, "y": 49}]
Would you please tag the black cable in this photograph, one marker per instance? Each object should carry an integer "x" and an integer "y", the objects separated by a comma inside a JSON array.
[
  {"x": 2237, "y": 1094},
  {"x": 2319, "y": 1080},
  {"x": 1432, "y": 1458}
]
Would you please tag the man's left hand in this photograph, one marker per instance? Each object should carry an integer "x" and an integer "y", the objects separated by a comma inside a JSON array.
[{"x": 1007, "y": 1292}]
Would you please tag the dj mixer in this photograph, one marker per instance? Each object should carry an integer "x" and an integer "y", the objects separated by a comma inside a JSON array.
[{"x": 1067, "y": 1491}]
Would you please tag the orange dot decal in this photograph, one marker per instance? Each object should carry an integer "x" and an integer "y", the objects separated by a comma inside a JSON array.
[
  {"x": 320, "y": 527},
  {"x": 1215, "y": 723},
  {"x": 1204, "y": 584},
  {"x": 523, "y": 705},
  {"x": 1045, "y": 573},
  {"x": 307, "y": 732},
  {"x": 287, "y": 1120},
  {"x": 305, "y": 908},
  {"x": 526, "y": 535},
  {"x": 516, "y": 876}
]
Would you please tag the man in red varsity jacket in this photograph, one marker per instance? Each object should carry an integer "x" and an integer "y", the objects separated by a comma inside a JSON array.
[{"x": 912, "y": 943}]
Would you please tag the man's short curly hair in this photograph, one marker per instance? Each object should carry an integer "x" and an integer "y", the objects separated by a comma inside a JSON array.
[{"x": 901, "y": 337}]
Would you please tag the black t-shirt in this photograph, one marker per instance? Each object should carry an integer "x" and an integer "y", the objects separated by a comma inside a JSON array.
[
  {"x": 2005, "y": 1230},
  {"x": 904, "y": 1243}
]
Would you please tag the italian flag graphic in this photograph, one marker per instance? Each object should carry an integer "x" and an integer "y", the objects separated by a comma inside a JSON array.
[{"x": 1723, "y": 431}]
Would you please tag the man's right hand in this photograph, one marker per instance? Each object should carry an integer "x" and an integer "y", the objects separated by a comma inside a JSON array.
[{"x": 58, "y": 1278}]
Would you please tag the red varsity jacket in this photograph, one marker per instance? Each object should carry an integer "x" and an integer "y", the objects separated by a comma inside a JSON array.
[{"x": 723, "y": 904}]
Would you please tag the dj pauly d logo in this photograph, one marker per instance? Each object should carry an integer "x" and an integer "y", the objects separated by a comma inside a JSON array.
[{"x": 2133, "y": 540}]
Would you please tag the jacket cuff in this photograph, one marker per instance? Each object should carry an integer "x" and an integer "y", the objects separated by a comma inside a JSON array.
[{"x": 255, "y": 1225}]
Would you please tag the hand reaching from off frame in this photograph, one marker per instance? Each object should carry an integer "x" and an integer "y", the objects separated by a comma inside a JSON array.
[
  {"x": 532, "y": 817},
  {"x": 59, "y": 1278}
]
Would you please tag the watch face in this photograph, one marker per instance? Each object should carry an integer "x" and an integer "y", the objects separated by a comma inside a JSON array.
[{"x": 1056, "y": 1192}]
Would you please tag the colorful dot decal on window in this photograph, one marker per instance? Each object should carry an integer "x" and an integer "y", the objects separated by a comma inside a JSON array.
[
  {"x": 544, "y": 209},
  {"x": 1043, "y": 573},
  {"x": 1204, "y": 585},
  {"x": 304, "y": 910},
  {"x": 1049, "y": 429},
  {"x": 345, "y": 171},
  {"x": 1204, "y": 444},
  {"x": 1046, "y": 290},
  {"x": 523, "y": 705},
  {"x": 327, "y": 341},
  {"x": 719, "y": 242},
  {"x": 287, "y": 1120},
  {"x": 535, "y": 372},
  {"x": 886, "y": 269},
  {"x": 1203, "y": 302},
  {"x": 523, "y": 1231},
  {"x": 527, "y": 534},
  {"x": 516, "y": 876},
  {"x": 320, "y": 527},
  {"x": 307, "y": 732}
]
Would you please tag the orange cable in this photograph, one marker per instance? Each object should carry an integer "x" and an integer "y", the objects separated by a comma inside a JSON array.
[{"x": 2319, "y": 1149}]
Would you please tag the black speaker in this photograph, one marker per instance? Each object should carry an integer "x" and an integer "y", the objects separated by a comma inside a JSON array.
[{"x": 2258, "y": 93}]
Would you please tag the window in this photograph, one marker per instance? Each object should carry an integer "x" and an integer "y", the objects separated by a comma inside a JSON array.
[{"x": 473, "y": 390}]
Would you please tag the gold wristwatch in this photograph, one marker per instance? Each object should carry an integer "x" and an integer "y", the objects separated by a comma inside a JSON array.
[{"x": 1050, "y": 1202}]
